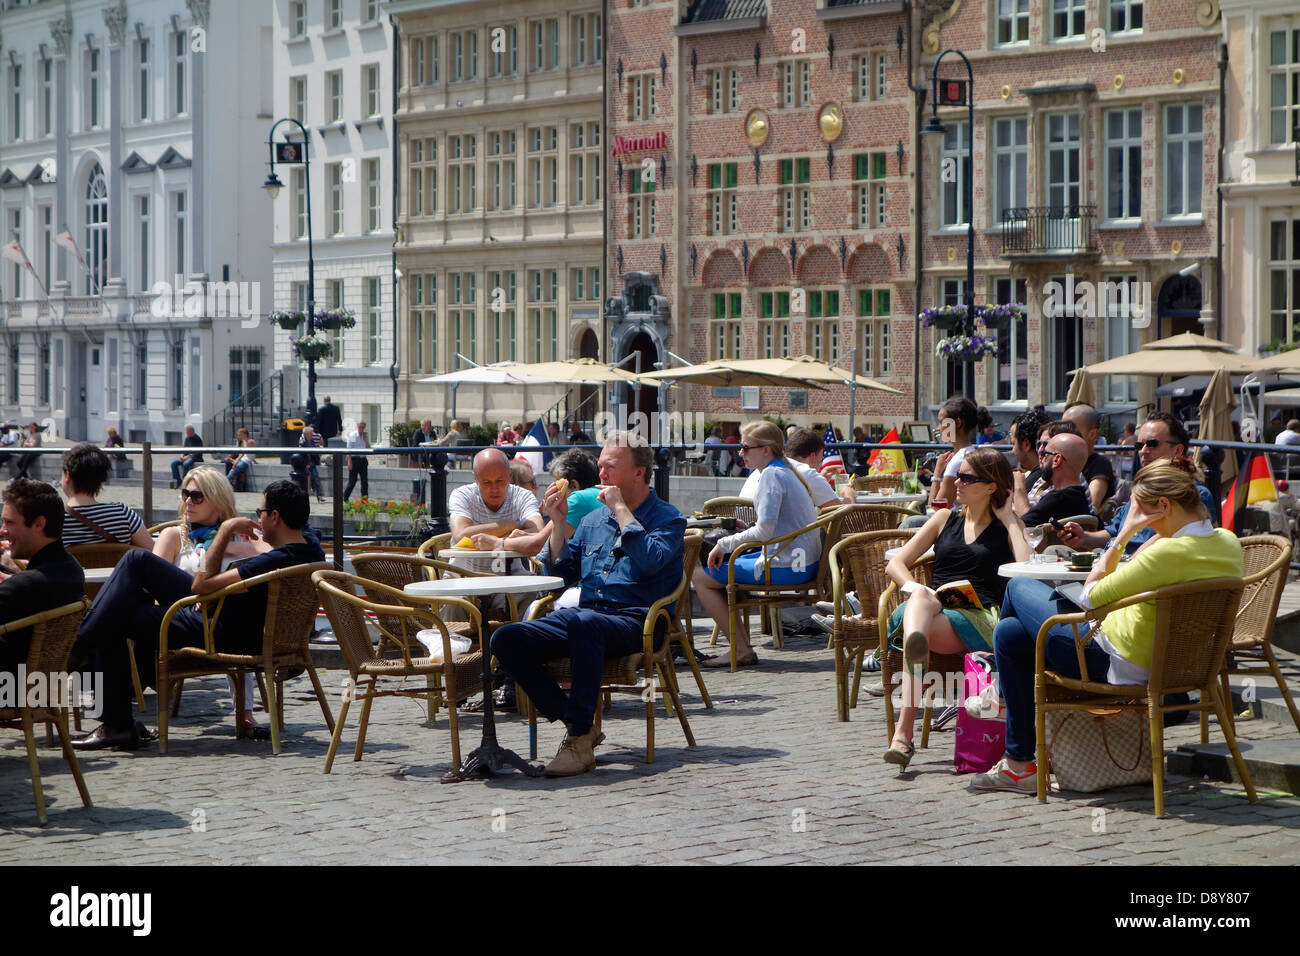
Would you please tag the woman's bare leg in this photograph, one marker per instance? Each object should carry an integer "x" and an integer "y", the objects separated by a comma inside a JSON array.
[{"x": 713, "y": 596}]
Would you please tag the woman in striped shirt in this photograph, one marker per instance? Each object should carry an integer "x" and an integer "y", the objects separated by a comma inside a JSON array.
[{"x": 85, "y": 471}]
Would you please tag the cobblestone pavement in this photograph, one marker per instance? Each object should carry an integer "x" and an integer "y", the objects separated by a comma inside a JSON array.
[{"x": 775, "y": 779}]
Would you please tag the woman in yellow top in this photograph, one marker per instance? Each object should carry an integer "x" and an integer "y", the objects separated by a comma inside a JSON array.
[{"x": 1186, "y": 547}]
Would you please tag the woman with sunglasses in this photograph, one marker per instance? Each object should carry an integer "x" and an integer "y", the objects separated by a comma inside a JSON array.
[
  {"x": 207, "y": 500},
  {"x": 782, "y": 504},
  {"x": 958, "y": 425},
  {"x": 969, "y": 544}
]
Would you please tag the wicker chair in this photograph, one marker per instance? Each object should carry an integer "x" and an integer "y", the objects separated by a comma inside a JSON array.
[
  {"x": 291, "y": 606},
  {"x": 1050, "y": 537},
  {"x": 367, "y": 661},
  {"x": 680, "y": 630},
  {"x": 873, "y": 483},
  {"x": 1267, "y": 558},
  {"x": 857, "y": 563},
  {"x": 174, "y": 523},
  {"x": 768, "y": 596},
  {"x": 1193, "y": 628},
  {"x": 432, "y": 546},
  {"x": 891, "y": 660},
  {"x": 858, "y": 518},
  {"x": 53, "y": 633},
  {"x": 619, "y": 675},
  {"x": 730, "y": 506},
  {"x": 100, "y": 554}
]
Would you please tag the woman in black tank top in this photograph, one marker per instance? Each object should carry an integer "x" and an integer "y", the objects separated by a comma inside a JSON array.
[{"x": 969, "y": 545}]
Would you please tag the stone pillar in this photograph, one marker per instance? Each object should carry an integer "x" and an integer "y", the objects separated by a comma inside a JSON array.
[{"x": 115, "y": 21}]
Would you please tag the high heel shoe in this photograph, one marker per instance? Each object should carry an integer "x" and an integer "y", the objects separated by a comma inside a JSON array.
[
  {"x": 900, "y": 757},
  {"x": 916, "y": 648}
]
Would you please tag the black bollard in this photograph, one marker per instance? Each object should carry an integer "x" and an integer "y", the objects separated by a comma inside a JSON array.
[{"x": 663, "y": 467}]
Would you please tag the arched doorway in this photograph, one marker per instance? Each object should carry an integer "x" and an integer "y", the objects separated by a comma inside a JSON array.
[
  {"x": 1179, "y": 302},
  {"x": 588, "y": 395},
  {"x": 647, "y": 401}
]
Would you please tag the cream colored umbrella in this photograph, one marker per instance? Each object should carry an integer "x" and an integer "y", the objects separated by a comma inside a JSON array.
[
  {"x": 1191, "y": 361},
  {"x": 808, "y": 369},
  {"x": 580, "y": 371},
  {"x": 1081, "y": 389},
  {"x": 726, "y": 374},
  {"x": 1216, "y": 421},
  {"x": 1281, "y": 362},
  {"x": 1190, "y": 340}
]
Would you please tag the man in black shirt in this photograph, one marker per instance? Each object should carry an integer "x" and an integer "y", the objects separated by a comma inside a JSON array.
[
  {"x": 329, "y": 420},
  {"x": 33, "y": 526},
  {"x": 1098, "y": 473},
  {"x": 576, "y": 435},
  {"x": 143, "y": 586},
  {"x": 181, "y": 466},
  {"x": 1066, "y": 498}
]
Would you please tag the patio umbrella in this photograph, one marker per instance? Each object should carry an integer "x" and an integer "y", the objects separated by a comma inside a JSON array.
[
  {"x": 1282, "y": 361},
  {"x": 808, "y": 369},
  {"x": 581, "y": 371},
  {"x": 502, "y": 373},
  {"x": 1216, "y": 421},
  {"x": 1190, "y": 340},
  {"x": 1081, "y": 389},
  {"x": 727, "y": 374},
  {"x": 1190, "y": 361}
]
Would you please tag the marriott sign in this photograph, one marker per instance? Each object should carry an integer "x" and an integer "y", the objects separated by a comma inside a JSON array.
[{"x": 631, "y": 144}]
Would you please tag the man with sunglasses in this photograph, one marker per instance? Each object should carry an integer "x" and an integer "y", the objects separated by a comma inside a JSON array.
[
  {"x": 1162, "y": 436},
  {"x": 143, "y": 586},
  {"x": 1066, "y": 497}
]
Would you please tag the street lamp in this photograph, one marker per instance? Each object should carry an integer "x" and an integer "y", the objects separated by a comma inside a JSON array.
[
  {"x": 297, "y": 153},
  {"x": 957, "y": 93}
]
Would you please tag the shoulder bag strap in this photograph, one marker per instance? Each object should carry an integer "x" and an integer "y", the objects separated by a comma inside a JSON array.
[{"x": 92, "y": 525}]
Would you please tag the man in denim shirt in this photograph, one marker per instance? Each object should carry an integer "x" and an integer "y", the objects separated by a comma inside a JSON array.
[{"x": 626, "y": 556}]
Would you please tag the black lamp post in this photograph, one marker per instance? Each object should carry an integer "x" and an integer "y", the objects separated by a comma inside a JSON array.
[
  {"x": 298, "y": 153},
  {"x": 957, "y": 93}
]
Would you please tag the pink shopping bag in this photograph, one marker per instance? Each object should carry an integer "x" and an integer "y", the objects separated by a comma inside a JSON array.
[{"x": 980, "y": 743}]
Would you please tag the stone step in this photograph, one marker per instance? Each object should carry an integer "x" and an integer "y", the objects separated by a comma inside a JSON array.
[{"x": 1272, "y": 764}]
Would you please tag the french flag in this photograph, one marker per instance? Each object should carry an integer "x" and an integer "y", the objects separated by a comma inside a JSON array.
[
  {"x": 539, "y": 461},
  {"x": 832, "y": 463}
]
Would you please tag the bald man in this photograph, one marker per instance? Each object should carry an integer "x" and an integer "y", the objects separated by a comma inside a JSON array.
[
  {"x": 1098, "y": 473},
  {"x": 491, "y": 507},
  {"x": 1066, "y": 497}
]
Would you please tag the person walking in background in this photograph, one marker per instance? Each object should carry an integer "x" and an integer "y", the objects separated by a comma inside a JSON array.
[
  {"x": 310, "y": 439},
  {"x": 358, "y": 465},
  {"x": 329, "y": 420}
]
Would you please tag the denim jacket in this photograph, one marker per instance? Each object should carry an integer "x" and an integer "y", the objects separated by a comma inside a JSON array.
[{"x": 628, "y": 569}]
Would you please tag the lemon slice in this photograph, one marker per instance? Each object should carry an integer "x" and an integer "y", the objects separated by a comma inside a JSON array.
[{"x": 467, "y": 544}]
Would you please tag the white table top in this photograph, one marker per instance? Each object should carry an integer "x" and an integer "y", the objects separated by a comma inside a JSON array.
[
  {"x": 97, "y": 575},
  {"x": 478, "y": 586},
  {"x": 446, "y": 554},
  {"x": 867, "y": 499},
  {"x": 1046, "y": 571}
]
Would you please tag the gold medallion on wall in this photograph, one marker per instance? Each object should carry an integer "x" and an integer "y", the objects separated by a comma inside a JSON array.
[
  {"x": 757, "y": 127},
  {"x": 830, "y": 122}
]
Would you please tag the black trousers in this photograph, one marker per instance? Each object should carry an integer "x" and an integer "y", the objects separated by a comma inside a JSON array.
[{"x": 360, "y": 468}]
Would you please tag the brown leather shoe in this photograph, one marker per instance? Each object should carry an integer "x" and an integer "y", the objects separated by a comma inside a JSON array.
[{"x": 576, "y": 755}]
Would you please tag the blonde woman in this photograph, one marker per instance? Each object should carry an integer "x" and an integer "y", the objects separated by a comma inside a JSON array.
[
  {"x": 968, "y": 545},
  {"x": 782, "y": 504},
  {"x": 207, "y": 500}
]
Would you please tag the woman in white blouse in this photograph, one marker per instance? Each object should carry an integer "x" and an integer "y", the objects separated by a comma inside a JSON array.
[{"x": 782, "y": 504}]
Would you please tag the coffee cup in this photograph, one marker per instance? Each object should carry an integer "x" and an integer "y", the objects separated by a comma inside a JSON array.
[{"x": 1082, "y": 560}]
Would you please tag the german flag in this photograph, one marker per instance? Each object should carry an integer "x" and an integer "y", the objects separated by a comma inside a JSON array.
[{"x": 1253, "y": 484}]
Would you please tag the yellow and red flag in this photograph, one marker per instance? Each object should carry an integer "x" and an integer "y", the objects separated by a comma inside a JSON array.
[
  {"x": 887, "y": 462},
  {"x": 1253, "y": 484}
]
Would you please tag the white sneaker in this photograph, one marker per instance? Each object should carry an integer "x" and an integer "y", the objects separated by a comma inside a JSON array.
[
  {"x": 987, "y": 706},
  {"x": 1002, "y": 777},
  {"x": 825, "y": 621},
  {"x": 851, "y": 599}
]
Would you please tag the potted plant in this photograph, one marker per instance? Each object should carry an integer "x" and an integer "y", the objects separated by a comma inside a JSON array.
[
  {"x": 944, "y": 317},
  {"x": 312, "y": 348},
  {"x": 288, "y": 319},
  {"x": 339, "y": 318},
  {"x": 1000, "y": 316},
  {"x": 966, "y": 348}
]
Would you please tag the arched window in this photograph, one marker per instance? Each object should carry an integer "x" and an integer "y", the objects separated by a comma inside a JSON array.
[{"x": 96, "y": 230}]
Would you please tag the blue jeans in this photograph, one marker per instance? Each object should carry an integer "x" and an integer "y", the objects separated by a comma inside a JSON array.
[
  {"x": 1027, "y": 604},
  {"x": 181, "y": 468},
  {"x": 237, "y": 473},
  {"x": 584, "y": 635}
]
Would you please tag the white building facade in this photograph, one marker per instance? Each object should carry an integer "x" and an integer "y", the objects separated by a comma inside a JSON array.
[
  {"x": 130, "y": 180},
  {"x": 333, "y": 68}
]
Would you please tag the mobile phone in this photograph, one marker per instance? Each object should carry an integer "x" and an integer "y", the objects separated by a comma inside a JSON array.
[{"x": 1056, "y": 523}]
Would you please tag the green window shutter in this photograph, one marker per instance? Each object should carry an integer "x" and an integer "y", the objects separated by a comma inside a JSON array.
[
  {"x": 650, "y": 186},
  {"x": 805, "y": 167},
  {"x": 732, "y": 177},
  {"x": 636, "y": 180},
  {"x": 787, "y": 172},
  {"x": 765, "y": 305},
  {"x": 882, "y": 302},
  {"x": 715, "y": 176},
  {"x": 814, "y": 305},
  {"x": 864, "y": 302},
  {"x": 832, "y": 303},
  {"x": 861, "y": 166},
  {"x": 783, "y": 305},
  {"x": 735, "y": 305},
  {"x": 719, "y": 305},
  {"x": 878, "y": 162}
]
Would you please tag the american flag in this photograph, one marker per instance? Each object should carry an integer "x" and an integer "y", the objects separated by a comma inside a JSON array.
[{"x": 832, "y": 463}]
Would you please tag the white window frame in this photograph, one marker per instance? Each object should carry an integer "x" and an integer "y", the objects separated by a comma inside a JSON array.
[
  {"x": 1127, "y": 149},
  {"x": 952, "y": 205},
  {"x": 1010, "y": 164},
  {"x": 143, "y": 80},
  {"x": 374, "y": 194},
  {"x": 1012, "y": 22},
  {"x": 1283, "y": 71},
  {"x": 1125, "y": 10},
  {"x": 334, "y": 96},
  {"x": 1178, "y": 148},
  {"x": 1063, "y": 138},
  {"x": 1067, "y": 20}
]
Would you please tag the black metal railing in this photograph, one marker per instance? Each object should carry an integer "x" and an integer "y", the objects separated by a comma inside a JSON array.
[
  {"x": 1031, "y": 230},
  {"x": 261, "y": 410}
]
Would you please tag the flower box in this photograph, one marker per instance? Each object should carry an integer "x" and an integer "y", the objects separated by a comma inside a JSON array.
[
  {"x": 312, "y": 348},
  {"x": 965, "y": 348},
  {"x": 332, "y": 319},
  {"x": 289, "y": 320}
]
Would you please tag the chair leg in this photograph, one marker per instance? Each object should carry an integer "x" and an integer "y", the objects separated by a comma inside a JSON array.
[
  {"x": 33, "y": 765},
  {"x": 273, "y": 713},
  {"x": 889, "y": 708},
  {"x": 681, "y": 714},
  {"x": 365, "y": 721},
  {"x": 1227, "y": 700},
  {"x": 649, "y": 722},
  {"x": 177, "y": 689},
  {"x": 431, "y": 698},
  {"x": 70, "y": 756},
  {"x": 1230, "y": 736},
  {"x": 1281, "y": 685},
  {"x": 532, "y": 729},
  {"x": 841, "y": 685},
  {"x": 338, "y": 731},
  {"x": 453, "y": 724},
  {"x": 699, "y": 678},
  {"x": 279, "y": 699},
  {"x": 713, "y": 639},
  {"x": 320, "y": 695},
  {"x": 731, "y": 620},
  {"x": 857, "y": 678},
  {"x": 1041, "y": 754},
  {"x": 135, "y": 676},
  {"x": 1158, "y": 752},
  {"x": 164, "y": 711},
  {"x": 928, "y": 709},
  {"x": 49, "y": 734},
  {"x": 240, "y": 704}
]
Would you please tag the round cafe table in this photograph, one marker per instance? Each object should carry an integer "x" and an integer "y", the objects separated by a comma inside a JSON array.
[
  {"x": 1043, "y": 571},
  {"x": 866, "y": 499},
  {"x": 490, "y": 757}
]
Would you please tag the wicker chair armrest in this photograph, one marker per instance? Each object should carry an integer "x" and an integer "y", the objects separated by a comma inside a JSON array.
[
  {"x": 543, "y": 606},
  {"x": 784, "y": 540},
  {"x": 32, "y": 620}
]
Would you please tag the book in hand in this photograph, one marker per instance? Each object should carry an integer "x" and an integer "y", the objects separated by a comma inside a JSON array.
[{"x": 955, "y": 595}]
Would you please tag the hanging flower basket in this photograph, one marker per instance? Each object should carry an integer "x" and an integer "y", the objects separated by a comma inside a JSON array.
[
  {"x": 288, "y": 319},
  {"x": 335, "y": 319},
  {"x": 1000, "y": 316},
  {"x": 965, "y": 348},
  {"x": 944, "y": 318},
  {"x": 312, "y": 348}
]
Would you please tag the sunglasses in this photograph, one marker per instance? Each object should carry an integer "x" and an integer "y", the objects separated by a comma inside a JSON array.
[
  {"x": 745, "y": 448},
  {"x": 966, "y": 478},
  {"x": 1042, "y": 446},
  {"x": 261, "y": 511},
  {"x": 1048, "y": 451},
  {"x": 1151, "y": 444},
  {"x": 193, "y": 495}
]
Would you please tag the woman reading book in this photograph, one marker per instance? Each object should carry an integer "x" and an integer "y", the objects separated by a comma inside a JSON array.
[{"x": 969, "y": 546}]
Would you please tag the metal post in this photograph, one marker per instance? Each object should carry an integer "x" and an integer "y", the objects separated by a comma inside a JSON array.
[
  {"x": 146, "y": 471},
  {"x": 438, "y": 493},
  {"x": 853, "y": 389},
  {"x": 336, "y": 474},
  {"x": 662, "y": 459}
]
